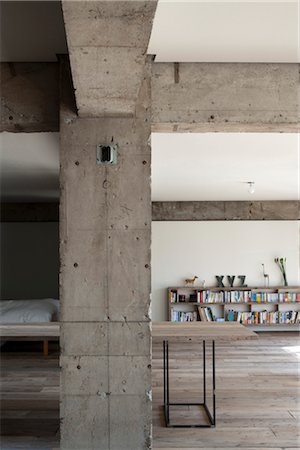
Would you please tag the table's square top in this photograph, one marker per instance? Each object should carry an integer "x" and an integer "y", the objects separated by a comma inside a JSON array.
[{"x": 198, "y": 331}]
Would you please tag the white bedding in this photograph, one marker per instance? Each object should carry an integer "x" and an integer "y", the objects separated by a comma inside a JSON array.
[{"x": 28, "y": 311}]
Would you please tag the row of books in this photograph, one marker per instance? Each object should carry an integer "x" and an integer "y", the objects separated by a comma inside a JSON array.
[
  {"x": 210, "y": 297},
  {"x": 248, "y": 318},
  {"x": 281, "y": 297},
  {"x": 173, "y": 296},
  {"x": 264, "y": 317},
  {"x": 289, "y": 297},
  {"x": 246, "y": 296},
  {"x": 206, "y": 315},
  {"x": 261, "y": 297},
  {"x": 236, "y": 297},
  {"x": 180, "y": 316}
]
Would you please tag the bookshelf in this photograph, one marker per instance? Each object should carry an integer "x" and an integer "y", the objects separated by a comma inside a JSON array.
[{"x": 259, "y": 307}]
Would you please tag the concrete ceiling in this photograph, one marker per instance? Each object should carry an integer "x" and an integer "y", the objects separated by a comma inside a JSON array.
[
  {"x": 29, "y": 167},
  {"x": 226, "y": 31},
  {"x": 215, "y": 166},
  {"x": 185, "y": 167},
  {"x": 31, "y": 31}
]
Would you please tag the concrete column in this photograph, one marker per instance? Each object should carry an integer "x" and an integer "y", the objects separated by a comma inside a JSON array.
[{"x": 105, "y": 216}]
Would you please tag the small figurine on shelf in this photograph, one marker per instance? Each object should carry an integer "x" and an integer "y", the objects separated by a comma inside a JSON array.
[
  {"x": 266, "y": 277},
  {"x": 190, "y": 281},
  {"x": 282, "y": 266}
]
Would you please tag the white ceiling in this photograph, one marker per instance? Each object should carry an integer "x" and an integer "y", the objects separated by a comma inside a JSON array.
[
  {"x": 215, "y": 166},
  {"x": 226, "y": 31},
  {"x": 29, "y": 167}
]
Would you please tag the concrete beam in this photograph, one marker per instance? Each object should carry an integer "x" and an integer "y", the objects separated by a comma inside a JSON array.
[
  {"x": 202, "y": 97},
  {"x": 185, "y": 97},
  {"x": 29, "y": 212},
  {"x": 239, "y": 210},
  {"x": 107, "y": 43},
  {"x": 29, "y": 97}
]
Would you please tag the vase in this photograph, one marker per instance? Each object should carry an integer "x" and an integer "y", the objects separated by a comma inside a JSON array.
[{"x": 285, "y": 283}]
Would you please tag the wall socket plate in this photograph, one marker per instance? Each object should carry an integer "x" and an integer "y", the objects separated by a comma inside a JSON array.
[{"x": 106, "y": 155}]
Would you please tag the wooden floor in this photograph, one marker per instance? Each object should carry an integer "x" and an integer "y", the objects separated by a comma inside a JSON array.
[
  {"x": 29, "y": 397},
  {"x": 258, "y": 404},
  {"x": 258, "y": 401}
]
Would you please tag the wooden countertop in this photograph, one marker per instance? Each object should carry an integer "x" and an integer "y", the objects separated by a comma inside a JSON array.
[{"x": 199, "y": 331}]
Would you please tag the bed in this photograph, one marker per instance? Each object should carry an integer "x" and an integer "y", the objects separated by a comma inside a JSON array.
[{"x": 30, "y": 320}]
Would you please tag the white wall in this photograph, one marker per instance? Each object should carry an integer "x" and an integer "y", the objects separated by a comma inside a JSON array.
[
  {"x": 206, "y": 249},
  {"x": 29, "y": 260}
]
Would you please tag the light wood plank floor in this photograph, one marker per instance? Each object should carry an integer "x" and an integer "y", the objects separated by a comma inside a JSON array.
[
  {"x": 258, "y": 390},
  {"x": 257, "y": 397}
]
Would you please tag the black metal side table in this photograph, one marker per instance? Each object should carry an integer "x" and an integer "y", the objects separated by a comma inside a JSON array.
[{"x": 210, "y": 415}]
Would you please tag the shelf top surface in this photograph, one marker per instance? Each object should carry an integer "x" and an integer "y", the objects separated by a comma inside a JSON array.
[
  {"x": 199, "y": 331},
  {"x": 238, "y": 288},
  {"x": 236, "y": 303},
  {"x": 289, "y": 324}
]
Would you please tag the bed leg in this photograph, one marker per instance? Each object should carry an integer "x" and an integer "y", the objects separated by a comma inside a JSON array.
[{"x": 45, "y": 347}]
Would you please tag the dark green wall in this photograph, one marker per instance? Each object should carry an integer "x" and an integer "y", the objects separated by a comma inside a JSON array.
[{"x": 29, "y": 260}]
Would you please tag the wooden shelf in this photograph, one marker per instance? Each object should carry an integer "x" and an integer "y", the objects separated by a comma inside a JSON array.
[
  {"x": 238, "y": 288},
  {"x": 226, "y": 288},
  {"x": 272, "y": 324},
  {"x": 234, "y": 303},
  {"x": 174, "y": 307}
]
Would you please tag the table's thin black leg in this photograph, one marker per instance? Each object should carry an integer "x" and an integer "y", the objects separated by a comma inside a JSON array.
[
  {"x": 204, "y": 374},
  {"x": 164, "y": 363},
  {"x": 168, "y": 394},
  {"x": 165, "y": 384},
  {"x": 214, "y": 382}
]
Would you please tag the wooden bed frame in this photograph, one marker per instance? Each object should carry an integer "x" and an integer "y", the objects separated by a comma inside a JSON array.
[{"x": 45, "y": 332}]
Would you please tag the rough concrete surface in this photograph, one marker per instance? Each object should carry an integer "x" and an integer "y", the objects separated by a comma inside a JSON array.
[
  {"x": 29, "y": 97},
  {"x": 84, "y": 375},
  {"x": 107, "y": 42},
  {"x": 109, "y": 24},
  {"x": 129, "y": 338},
  {"x": 85, "y": 422},
  {"x": 88, "y": 338},
  {"x": 225, "y": 97},
  {"x": 207, "y": 98},
  {"x": 230, "y": 210},
  {"x": 105, "y": 282}
]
